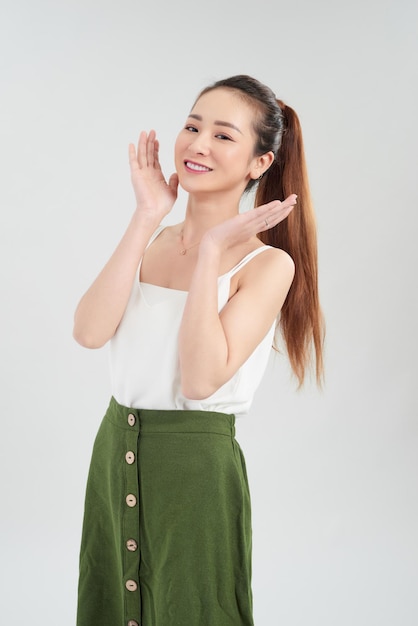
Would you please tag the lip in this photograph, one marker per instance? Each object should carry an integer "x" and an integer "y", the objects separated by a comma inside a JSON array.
[{"x": 205, "y": 169}]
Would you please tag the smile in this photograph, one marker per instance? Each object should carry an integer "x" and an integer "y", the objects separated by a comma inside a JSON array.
[{"x": 195, "y": 167}]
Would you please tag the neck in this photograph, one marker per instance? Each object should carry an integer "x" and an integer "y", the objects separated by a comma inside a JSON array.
[{"x": 204, "y": 213}]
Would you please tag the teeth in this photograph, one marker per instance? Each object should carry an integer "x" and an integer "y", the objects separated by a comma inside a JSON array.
[{"x": 197, "y": 168}]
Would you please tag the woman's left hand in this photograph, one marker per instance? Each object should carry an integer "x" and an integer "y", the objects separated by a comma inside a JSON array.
[
  {"x": 242, "y": 227},
  {"x": 213, "y": 344}
]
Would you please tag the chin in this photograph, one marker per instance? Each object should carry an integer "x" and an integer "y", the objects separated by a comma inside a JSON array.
[{"x": 193, "y": 186}]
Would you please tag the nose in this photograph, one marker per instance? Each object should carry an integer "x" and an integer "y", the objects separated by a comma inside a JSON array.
[{"x": 200, "y": 144}]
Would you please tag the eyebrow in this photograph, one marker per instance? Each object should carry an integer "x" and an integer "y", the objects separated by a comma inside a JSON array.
[{"x": 217, "y": 122}]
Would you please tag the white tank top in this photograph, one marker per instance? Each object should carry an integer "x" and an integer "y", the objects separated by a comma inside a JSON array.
[{"x": 144, "y": 354}]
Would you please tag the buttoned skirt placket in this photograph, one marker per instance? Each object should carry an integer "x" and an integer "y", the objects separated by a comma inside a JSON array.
[{"x": 130, "y": 541}]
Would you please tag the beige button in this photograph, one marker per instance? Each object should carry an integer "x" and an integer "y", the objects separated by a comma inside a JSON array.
[
  {"x": 130, "y": 457},
  {"x": 130, "y": 499},
  {"x": 131, "y": 419},
  {"x": 132, "y": 622},
  {"x": 131, "y": 545},
  {"x": 131, "y": 585}
]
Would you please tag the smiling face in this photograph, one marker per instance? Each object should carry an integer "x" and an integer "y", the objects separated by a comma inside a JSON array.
[{"x": 215, "y": 150}]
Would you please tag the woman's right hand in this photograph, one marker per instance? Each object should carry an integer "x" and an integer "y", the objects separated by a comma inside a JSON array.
[
  {"x": 100, "y": 310},
  {"x": 154, "y": 196}
]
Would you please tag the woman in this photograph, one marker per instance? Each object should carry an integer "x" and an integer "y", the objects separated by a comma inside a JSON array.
[{"x": 190, "y": 311}]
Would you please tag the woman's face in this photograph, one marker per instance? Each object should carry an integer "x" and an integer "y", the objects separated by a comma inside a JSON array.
[{"x": 215, "y": 150}]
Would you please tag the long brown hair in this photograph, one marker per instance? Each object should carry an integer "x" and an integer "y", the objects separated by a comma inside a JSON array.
[{"x": 278, "y": 129}]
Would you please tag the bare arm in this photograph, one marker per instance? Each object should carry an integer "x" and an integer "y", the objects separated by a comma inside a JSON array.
[
  {"x": 101, "y": 308},
  {"x": 212, "y": 345}
]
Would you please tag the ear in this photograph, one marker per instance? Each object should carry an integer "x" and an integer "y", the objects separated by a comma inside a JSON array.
[{"x": 261, "y": 164}]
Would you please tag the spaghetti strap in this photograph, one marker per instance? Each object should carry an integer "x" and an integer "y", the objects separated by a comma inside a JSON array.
[
  {"x": 154, "y": 235},
  {"x": 245, "y": 260}
]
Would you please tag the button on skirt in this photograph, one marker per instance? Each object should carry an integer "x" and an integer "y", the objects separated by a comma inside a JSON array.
[{"x": 167, "y": 531}]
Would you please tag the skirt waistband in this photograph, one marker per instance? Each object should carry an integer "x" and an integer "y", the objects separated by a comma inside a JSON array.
[{"x": 170, "y": 421}]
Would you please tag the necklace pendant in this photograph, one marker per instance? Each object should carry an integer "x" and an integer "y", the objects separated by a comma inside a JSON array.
[{"x": 183, "y": 252}]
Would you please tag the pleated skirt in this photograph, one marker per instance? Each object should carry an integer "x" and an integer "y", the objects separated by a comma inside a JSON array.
[{"x": 167, "y": 524}]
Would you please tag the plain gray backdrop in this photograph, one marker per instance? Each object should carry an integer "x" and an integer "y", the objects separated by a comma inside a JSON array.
[{"x": 333, "y": 474}]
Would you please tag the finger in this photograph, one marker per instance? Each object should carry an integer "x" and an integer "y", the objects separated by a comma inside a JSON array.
[
  {"x": 292, "y": 199},
  {"x": 151, "y": 148},
  {"x": 279, "y": 212},
  {"x": 173, "y": 183},
  {"x": 275, "y": 205},
  {"x": 271, "y": 214},
  {"x": 157, "y": 154},
  {"x": 133, "y": 162},
  {"x": 266, "y": 213},
  {"x": 142, "y": 150},
  {"x": 280, "y": 207}
]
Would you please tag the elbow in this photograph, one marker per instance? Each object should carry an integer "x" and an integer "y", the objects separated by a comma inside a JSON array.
[
  {"x": 200, "y": 385},
  {"x": 87, "y": 340},
  {"x": 193, "y": 390},
  {"x": 192, "y": 393},
  {"x": 89, "y": 332}
]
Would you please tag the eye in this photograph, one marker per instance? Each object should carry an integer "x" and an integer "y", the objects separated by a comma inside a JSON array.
[
  {"x": 223, "y": 137},
  {"x": 192, "y": 129}
]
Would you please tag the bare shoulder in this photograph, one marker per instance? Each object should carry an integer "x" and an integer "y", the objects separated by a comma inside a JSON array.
[
  {"x": 272, "y": 264},
  {"x": 261, "y": 289},
  {"x": 265, "y": 279},
  {"x": 279, "y": 258}
]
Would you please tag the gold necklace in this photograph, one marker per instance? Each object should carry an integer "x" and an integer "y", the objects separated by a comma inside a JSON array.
[{"x": 183, "y": 247}]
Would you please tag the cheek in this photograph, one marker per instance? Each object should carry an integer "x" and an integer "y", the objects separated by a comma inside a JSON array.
[
  {"x": 242, "y": 158},
  {"x": 177, "y": 144}
]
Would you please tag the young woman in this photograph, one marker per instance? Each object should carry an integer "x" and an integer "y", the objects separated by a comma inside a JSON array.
[{"x": 191, "y": 312}]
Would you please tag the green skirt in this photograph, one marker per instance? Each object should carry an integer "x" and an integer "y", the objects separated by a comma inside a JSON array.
[{"x": 167, "y": 525}]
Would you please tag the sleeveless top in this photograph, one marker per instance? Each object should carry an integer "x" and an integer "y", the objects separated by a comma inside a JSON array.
[{"x": 144, "y": 354}]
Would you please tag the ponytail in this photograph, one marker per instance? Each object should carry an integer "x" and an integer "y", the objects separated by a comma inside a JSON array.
[
  {"x": 277, "y": 129},
  {"x": 301, "y": 320}
]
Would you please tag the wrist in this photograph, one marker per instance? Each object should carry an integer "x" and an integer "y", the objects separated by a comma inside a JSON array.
[
  {"x": 210, "y": 251},
  {"x": 144, "y": 220}
]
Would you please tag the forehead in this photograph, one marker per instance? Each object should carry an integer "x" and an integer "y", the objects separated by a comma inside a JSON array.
[{"x": 227, "y": 105}]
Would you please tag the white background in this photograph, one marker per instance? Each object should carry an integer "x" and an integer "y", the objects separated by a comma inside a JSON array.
[{"x": 333, "y": 474}]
